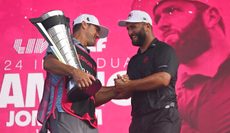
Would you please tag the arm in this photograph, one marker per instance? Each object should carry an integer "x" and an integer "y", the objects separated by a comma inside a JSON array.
[
  {"x": 154, "y": 81},
  {"x": 53, "y": 65},
  {"x": 107, "y": 93},
  {"x": 125, "y": 95},
  {"x": 165, "y": 63},
  {"x": 104, "y": 95}
]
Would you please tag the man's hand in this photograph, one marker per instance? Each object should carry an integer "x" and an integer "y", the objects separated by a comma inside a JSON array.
[
  {"x": 122, "y": 83},
  {"x": 125, "y": 77},
  {"x": 82, "y": 79}
]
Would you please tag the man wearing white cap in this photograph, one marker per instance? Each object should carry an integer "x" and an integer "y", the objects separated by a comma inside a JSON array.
[
  {"x": 63, "y": 116},
  {"x": 199, "y": 32},
  {"x": 150, "y": 80}
]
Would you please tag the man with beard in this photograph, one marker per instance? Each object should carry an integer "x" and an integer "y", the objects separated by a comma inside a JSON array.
[
  {"x": 150, "y": 80},
  {"x": 196, "y": 30}
]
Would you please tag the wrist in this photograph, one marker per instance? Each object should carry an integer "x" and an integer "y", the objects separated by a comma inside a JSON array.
[
  {"x": 72, "y": 71},
  {"x": 114, "y": 88}
]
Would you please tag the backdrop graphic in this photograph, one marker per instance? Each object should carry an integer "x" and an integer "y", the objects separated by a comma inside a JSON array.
[
  {"x": 22, "y": 50},
  {"x": 22, "y": 76},
  {"x": 198, "y": 30}
]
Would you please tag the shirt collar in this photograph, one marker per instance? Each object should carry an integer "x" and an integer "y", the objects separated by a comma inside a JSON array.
[
  {"x": 152, "y": 44},
  {"x": 75, "y": 41}
]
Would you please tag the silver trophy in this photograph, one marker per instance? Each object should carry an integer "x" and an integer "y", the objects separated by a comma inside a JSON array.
[{"x": 54, "y": 27}]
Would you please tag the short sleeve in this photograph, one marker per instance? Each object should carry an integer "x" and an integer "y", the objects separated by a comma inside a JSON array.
[{"x": 166, "y": 60}]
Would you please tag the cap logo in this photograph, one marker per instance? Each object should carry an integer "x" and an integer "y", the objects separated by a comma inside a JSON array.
[
  {"x": 130, "y": 15},
  {"x": 88, "y": 19},
  {"x": 144, "y": 18}
]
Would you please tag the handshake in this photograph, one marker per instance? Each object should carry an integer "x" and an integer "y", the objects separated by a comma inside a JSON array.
[{"x": 122, "y": 83}]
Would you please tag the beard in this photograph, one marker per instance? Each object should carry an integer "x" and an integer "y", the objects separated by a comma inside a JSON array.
[
  {"x": 193, "y": 41},
  {"x": 141, "y": 37}
]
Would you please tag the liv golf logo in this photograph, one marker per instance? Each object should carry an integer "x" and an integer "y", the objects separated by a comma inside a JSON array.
[{"x": 33, "y": 46}]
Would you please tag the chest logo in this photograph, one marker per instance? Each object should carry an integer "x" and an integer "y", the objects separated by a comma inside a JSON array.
[{"x": 146, "y": 59}]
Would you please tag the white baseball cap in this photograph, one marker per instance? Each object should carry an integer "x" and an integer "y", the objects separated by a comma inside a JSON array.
[
  {"x": 136, "y": 16},
  {"x": 92, "y": 20}
]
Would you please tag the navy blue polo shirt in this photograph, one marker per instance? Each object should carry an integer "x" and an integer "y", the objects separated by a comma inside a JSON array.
[{"x": 159, "y": 57}]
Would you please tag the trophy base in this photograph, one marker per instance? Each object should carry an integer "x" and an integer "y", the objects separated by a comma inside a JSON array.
[{"x": 74, "y": 94}]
